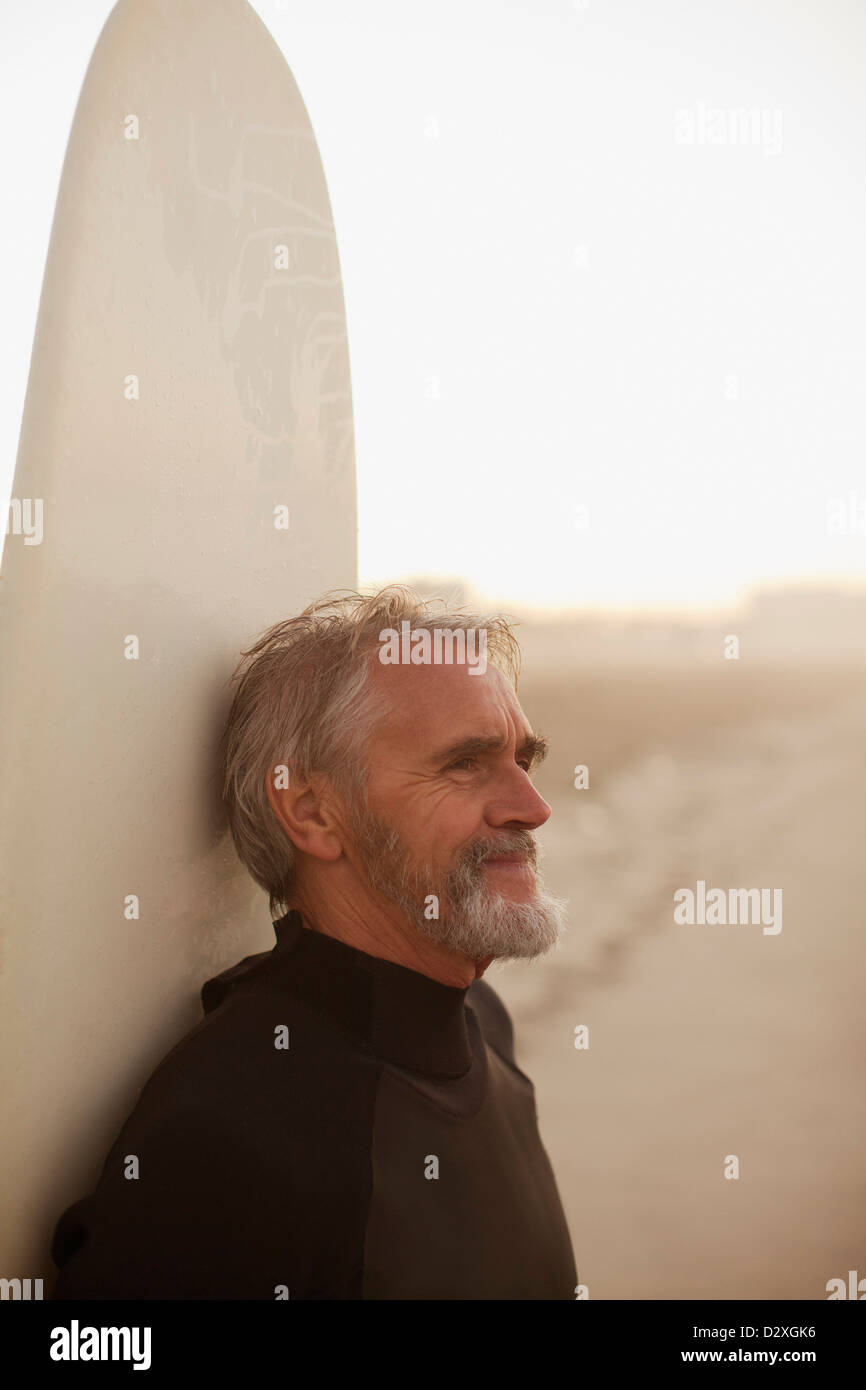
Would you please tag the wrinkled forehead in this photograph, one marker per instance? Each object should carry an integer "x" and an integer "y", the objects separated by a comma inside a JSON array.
[{"x": 421, "y": 703}]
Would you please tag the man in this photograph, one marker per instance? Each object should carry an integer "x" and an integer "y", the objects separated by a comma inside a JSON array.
[{"x": 348, "y": 1121}]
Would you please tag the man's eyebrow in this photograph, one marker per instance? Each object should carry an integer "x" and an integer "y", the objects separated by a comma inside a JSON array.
[{"x": 534, "y": 747}]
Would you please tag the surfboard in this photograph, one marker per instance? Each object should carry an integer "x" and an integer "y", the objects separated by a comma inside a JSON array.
[{"x": 187, "y": 448}]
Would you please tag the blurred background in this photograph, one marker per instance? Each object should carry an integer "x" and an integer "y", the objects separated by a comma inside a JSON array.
[{"x": 607, "y": 302}]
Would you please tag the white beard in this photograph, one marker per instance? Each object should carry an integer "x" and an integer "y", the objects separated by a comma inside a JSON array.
[{"x": 472, "y": 917}]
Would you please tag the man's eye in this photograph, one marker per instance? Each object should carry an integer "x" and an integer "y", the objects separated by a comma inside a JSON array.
[{"x": 461, "y": 763}]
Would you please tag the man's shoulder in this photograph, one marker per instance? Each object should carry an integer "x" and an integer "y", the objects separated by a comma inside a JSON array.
[
  {"x": 251, "y": 1143},
  {"x": 257, "y": 1040},
  {"x": 495, "y": 1020}
]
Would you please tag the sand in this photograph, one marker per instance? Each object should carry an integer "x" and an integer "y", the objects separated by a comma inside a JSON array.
[{"x": 705, "y": 1041}]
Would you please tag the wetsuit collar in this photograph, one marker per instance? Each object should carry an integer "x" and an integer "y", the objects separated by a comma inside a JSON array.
[{"x": 395, "y": 1013}]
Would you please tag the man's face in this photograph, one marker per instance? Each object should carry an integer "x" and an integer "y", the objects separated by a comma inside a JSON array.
[{"x": 446, "y": 832}]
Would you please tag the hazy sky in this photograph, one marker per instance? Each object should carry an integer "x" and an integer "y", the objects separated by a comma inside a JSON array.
[{"x": 604, "y": 256}]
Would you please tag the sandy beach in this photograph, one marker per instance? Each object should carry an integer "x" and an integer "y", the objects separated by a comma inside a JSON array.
[{"x": 706, "y": 1041}]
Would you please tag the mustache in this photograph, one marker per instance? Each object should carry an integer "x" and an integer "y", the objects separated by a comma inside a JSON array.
[{"x": 516, "y": 842}]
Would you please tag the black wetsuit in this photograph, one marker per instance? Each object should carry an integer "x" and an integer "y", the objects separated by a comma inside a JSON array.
[{"x": 337, "y": 1126}]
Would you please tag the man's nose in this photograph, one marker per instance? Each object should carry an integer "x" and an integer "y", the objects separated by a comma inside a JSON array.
[{"x": 519, "y": 804}]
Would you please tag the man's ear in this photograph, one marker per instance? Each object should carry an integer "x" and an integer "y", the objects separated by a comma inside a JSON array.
[{"x": 305, "y": 809}]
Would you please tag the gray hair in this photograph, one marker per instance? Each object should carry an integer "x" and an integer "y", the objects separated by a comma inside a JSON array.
[{"x": 305, "y": 701}]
